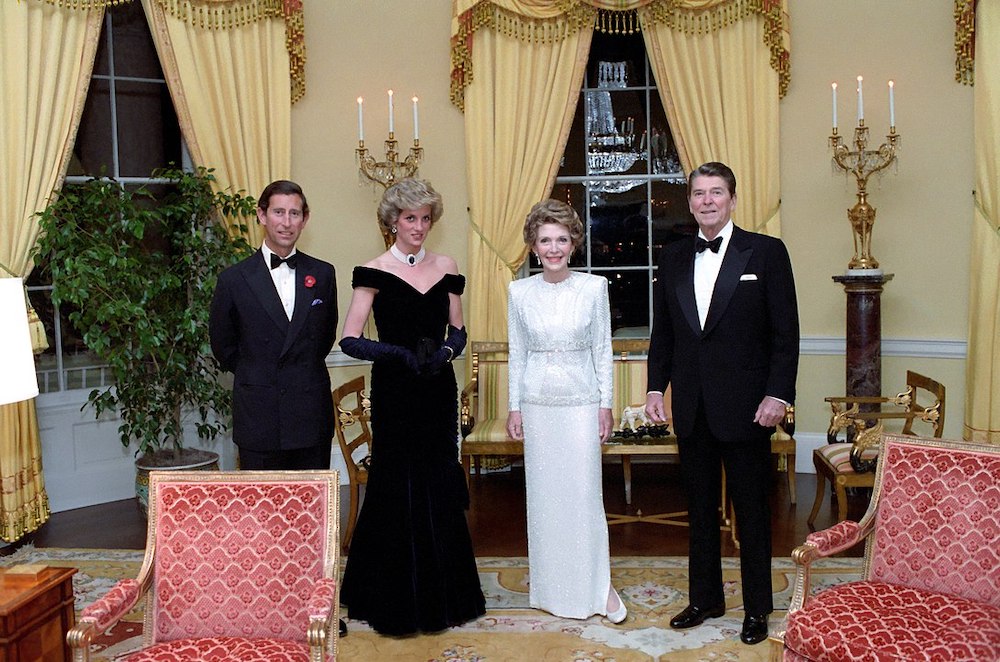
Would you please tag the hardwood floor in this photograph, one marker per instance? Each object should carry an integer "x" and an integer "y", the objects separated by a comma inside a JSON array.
[{"x": 497, "y": 516}]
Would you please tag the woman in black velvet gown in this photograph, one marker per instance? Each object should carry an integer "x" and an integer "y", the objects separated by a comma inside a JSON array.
[{"x": 411, "y": 566}]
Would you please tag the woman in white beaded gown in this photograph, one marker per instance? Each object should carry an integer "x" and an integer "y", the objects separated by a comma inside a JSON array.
[{"x": 560, "y": 404}]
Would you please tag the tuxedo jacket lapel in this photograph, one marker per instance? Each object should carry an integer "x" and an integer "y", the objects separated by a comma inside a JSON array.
[
  {"x": 259, "y": 280},
  {"x": 684, "y": 284},
  {"x": 303, "y": 301},
  {"x": 737, "y": 256}
]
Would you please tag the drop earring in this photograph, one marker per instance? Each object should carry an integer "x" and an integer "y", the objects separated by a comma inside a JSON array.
[{"x": 393, "y": 229}]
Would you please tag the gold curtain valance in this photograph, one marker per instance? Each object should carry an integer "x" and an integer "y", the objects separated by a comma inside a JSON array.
[
  {"x": 965, "y": 40},
  {"x": 227, "y": 15},
  {"x": 547, "y": 22}
]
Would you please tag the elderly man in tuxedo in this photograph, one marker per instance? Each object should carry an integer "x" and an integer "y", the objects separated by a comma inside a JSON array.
[
  {"x": 272, "y": 324},
  {"x": 726, "y": 336}
]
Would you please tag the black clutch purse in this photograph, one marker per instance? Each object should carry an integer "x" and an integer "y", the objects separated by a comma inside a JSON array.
[{"x": 426, "y": 348}]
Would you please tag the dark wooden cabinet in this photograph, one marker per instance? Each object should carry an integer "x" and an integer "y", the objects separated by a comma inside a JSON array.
[{"x": 35, "y": 614}]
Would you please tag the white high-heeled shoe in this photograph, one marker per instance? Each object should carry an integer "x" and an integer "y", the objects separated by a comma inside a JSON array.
[{"x": 618, "y": 615}]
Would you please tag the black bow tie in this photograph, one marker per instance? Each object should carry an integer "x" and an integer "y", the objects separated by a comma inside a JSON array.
[
  {"x": 291, "y": 260},
  {"x": 700, "y": 245}
]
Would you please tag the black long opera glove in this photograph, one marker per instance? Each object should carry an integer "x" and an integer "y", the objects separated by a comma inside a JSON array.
[
  {"x": 431, "y": 363},
  {"x": 372, "y": 350}
]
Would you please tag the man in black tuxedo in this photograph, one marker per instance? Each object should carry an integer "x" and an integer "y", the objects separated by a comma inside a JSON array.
[
  {"x": 726, "y": 336},
  {"x": 272, "y": 324}
]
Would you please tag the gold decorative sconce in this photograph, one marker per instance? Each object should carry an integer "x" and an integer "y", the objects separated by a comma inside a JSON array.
[{"x": 391, "y": 170}]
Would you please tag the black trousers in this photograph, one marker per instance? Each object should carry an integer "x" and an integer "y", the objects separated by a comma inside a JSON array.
[
  {"x": 297, "y": 459},
  {"x": 748, "y": 471}
]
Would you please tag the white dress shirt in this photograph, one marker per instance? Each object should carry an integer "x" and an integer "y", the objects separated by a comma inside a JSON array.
[
  {"x": 284, "y": 280},
  {"x": 706, "y": 271}
]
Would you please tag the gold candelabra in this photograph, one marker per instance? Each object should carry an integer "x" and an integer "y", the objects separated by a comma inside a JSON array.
[
  {"x": 863, "y": 163},
  {"x": 391, "y": 170}
]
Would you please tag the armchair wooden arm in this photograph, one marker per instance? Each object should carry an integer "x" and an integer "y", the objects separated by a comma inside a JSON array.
[{"x": 106, "y": 611}]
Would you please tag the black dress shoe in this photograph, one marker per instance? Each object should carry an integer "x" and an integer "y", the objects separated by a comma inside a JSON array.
[
  {"x": 343, "y": 628},
  {"x": 754, "y": 629},
  {"x": 692, "y": 616}
]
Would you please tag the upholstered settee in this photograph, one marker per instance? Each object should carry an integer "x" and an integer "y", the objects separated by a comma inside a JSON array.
[{"x": 931, "y": 576}]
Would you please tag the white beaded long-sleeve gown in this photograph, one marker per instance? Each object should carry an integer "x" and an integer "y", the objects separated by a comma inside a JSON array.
[{"x": 560, "y": 374}]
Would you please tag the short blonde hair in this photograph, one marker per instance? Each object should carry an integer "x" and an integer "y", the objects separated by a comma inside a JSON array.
[
  {"x": 409, "y": 193},
  {"x": 553, "y": 211}
]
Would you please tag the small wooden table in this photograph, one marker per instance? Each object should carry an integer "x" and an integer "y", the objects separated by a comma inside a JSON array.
[{"x": 36, "y": 612}]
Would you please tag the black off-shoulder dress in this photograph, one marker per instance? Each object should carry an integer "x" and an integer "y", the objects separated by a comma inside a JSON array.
[{"x": 411, "y": 567}]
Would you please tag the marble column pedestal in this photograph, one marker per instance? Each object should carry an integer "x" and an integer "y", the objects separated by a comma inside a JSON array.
[{"x": 864, "y": 330}]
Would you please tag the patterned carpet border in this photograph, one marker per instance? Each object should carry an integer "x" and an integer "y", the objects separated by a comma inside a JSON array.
[{"x": 653, "y": 588}]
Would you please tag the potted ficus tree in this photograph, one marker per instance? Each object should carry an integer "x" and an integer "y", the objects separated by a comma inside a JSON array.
[{"x": 138, "y": 268}]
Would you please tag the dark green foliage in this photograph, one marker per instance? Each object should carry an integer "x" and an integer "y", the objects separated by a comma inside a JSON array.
[{"x": 139, "y": 269}]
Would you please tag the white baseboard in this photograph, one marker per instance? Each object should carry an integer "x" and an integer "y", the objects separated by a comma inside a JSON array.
[{"x": 927, "y": 348}]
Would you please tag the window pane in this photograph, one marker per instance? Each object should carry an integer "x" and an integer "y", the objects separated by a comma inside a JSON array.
[
  {"x": 661, "y": 142},
  {"x": 101, "y": 65},
  {"x": 613, "y": 145},
  {"x": 629, "y": 292},
  {"x": 92, "y": 153},
  {"x": 671, "y": 219},
  {"x": 148, "y": 131},
  {"x": 619, "y": 225},
  {"x": 628, "y": 50},
  {"x": 135, "y": 53},
  {"x": 574, "y": 160}
]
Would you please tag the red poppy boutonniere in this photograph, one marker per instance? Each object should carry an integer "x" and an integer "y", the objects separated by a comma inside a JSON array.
[{"x": 310, "y": 281}]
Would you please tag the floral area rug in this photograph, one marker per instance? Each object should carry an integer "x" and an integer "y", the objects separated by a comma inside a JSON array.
[{"x": 653, "y": 588}]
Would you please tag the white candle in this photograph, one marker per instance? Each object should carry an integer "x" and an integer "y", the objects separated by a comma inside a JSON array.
[
  {"x": 834, "y": 88},
  {"x": 892, "y": 105},
  {"x": 416, "y": 121},
  {"x": 391, "y": 127},
  {"x": 361, "y": 120},
  {"x": 861, "y": 103}
]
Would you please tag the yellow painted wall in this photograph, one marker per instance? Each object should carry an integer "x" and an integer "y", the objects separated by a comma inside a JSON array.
[
  {"x": 362, "y": 48},
  {"x": 923, "y": 225}
]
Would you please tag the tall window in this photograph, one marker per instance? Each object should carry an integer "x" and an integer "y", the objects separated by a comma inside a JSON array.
[
  {"x": 621, "y": 173},
  {"x": 128, "y": 129}
]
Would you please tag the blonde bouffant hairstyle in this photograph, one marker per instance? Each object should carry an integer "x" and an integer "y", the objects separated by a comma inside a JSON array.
[
  {"x": 553, "y": 211},
  {"x": 409, "y": 193}
]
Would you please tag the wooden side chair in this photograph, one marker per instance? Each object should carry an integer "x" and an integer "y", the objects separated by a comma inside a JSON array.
[
  {"x": 352, "y": 409},
  {"x": 852, "y": 464},
  {"x": 240, "y": 566}
]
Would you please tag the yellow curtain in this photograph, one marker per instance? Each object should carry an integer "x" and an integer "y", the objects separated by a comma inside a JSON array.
[
  {"x": 720, "y": 92},
  {"x": 982, "y": 369},
  {"x": 517, "y": 121},
  {"x": 46, "y": 57},
  {"x": 232, "y": 93}
]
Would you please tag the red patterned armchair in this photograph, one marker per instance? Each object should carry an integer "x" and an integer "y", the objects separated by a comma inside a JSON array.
[
  {"x": 931, "y": 578},
  {"x": 239, "y": 567}
]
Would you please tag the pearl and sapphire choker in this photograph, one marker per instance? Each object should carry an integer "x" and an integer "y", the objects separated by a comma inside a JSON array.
[{"x": 411, "y": 259}]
